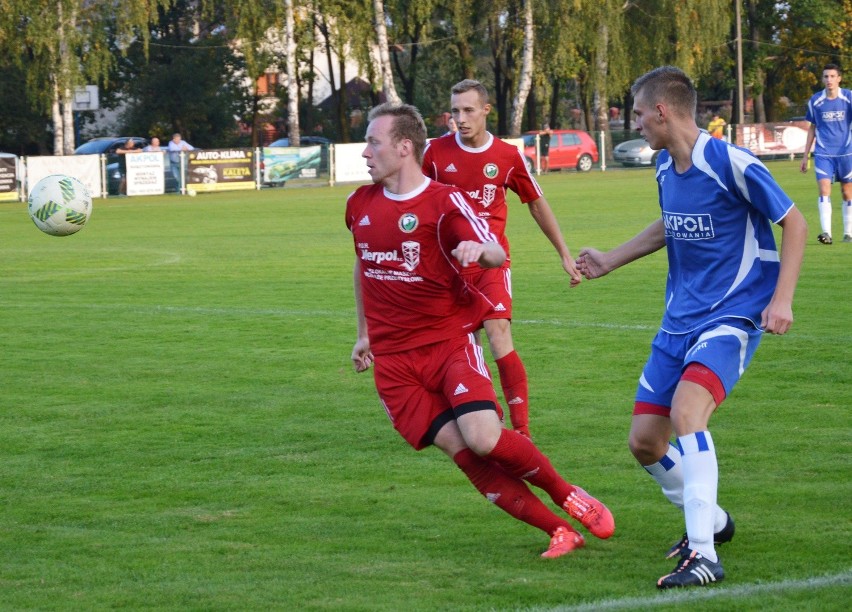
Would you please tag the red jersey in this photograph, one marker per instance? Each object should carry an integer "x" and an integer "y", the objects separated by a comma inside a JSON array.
[
  {"x": 484, "y": 174},
  {"x": 410, "y": 285}
]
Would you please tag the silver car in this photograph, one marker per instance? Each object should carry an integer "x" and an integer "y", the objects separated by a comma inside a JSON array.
[{"x": 635, "y": 152}]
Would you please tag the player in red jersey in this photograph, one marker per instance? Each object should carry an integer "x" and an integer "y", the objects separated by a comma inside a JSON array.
[
  {"x": 485, "y": 167},
  {"x": 416, "y": 317}
]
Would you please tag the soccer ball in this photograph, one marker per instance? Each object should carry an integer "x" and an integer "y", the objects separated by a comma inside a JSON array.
[{"x": 59, "y": 205}]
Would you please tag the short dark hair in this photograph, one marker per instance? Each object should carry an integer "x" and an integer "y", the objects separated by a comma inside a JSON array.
[
  {"x": 832, "y": 67},
  {"x": 669, "y": 84},
  {"x": 471, "y": 85},
  {"x": 407, "y": 124}
]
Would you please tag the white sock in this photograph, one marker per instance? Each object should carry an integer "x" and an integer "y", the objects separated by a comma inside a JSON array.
[
  {"x": 847, "y": 218},
  {"x": 824, "y": 206},
  {"x": 668, "y": 472},
  {"x": 701, "y": 480}
]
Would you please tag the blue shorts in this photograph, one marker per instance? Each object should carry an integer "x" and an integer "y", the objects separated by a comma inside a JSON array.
[
  {"x": 725, "y": 347},
  {"x": 833, "y": 168}
]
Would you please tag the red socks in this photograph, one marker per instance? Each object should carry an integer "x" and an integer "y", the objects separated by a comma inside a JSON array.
[
  {"x": 508, "y": 493},
  {"x": 522, "y": 459},
  {"x": 513, "y": 379}
]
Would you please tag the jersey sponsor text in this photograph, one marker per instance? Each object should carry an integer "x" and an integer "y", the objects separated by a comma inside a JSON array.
[{"x": 688, "y": 227}]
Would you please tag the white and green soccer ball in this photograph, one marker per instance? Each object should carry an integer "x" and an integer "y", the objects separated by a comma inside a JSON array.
[{"x": 59, "y": 205}]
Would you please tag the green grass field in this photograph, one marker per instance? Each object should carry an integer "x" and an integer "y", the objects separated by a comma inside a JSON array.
[{"x": 181, "y": 428}]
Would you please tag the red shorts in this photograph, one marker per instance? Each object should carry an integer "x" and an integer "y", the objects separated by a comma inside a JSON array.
[
  {"x": 419, "y": 388},
  {"x": 496, "y": 285}
]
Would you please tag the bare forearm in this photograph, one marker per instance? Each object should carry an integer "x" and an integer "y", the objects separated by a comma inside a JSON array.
[
  {"x": 547, "y": 222},
  {"x": 794, "y": 235},
  {"x": 359, "y": 303},
  {"x": 486, "y": 254}
]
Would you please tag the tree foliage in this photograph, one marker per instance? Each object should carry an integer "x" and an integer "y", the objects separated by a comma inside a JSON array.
[{"x": 191, "y": 65}]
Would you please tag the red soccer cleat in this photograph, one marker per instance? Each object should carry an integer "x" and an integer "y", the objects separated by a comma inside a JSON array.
[
  {"x": 563, "y": 541},
  {"x": 590, "y": 512}
]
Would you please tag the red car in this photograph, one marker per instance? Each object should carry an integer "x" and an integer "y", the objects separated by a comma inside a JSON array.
[{"x": 568, "y": 149}]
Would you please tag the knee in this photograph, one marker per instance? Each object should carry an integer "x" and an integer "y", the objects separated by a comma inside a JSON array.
[
  {"x": 481, "y": 442},
  {"x": 646, "y": 450}
]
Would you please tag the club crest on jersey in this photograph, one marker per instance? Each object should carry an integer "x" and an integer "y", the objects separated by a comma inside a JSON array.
[
  {"x": 490, "y": 170},
  {"x": 488, "y": 193},
  {"x": 410, "y": 254},
  {"x": 408, "y": 222}
]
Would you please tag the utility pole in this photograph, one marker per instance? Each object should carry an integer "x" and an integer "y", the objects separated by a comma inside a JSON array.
[{"x": 740, "y": 101}]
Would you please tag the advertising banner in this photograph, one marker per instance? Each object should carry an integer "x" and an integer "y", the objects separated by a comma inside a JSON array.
[
  {"x": 145, "y": 173},
  {"x": 769, "y": 139},
  {"x": 281, "y": 164},
  {"x": 349, "y": 166},
  {"x": 84, "y": 168},
  {"x": 8, "y": 179},
  {"x": 220, "y": 170}
]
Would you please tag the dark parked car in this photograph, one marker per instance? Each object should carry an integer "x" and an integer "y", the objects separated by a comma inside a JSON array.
[
  {"x": 636, "y": 152},
  {"x": 108, "y": 146},
  {"x": 568, "y": 149}
]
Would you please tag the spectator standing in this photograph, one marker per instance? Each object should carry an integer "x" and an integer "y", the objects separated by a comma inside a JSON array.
[
  {"x": 716, "y": 127},
  {"x": 452, "y": 127},
  {"x": 154, "y": 145},
  {"x": 830, "y": 114},
  {"x": 544, "y": 147},
  {"x": 176, "y": 146},
  {"x": 128, "y": 148}
]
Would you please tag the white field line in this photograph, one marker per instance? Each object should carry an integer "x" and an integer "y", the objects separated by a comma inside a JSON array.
[{"x": 691, "y": 596}]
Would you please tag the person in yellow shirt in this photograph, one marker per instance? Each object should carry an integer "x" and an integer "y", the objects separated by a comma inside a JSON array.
[{"x": 716, "y": 127}]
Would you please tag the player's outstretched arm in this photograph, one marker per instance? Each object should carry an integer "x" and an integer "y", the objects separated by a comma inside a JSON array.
[
  {"x": 777, "y": 317},
  {"x": 486, "y": 254},
  {"x": 362, "y": 356},
  {"x": 543, "y": 214},
  {"x": 593, "y": 263},
  {"x": 809, "y": 142}
]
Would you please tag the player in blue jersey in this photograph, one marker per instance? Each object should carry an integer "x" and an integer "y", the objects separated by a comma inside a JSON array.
[
  {"x": 727, "y": 284},
  {"x": 830, "y": 114}
]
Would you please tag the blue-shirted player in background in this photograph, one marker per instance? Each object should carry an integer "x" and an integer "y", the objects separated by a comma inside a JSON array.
[
  {"x": 727, "y": 285},
  {"x": 830, "y": 114}
]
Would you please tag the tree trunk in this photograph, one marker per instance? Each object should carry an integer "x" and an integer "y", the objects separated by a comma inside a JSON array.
[
  {"x": 525, "y": 77},
  {"x": 531, "y": 110},
  {"x": 382, "y": 36},
  {"x": 759, "y": 85},
  {"x": 335, "y": 92},
  {"x": 343, "y": 106},
  {"x": 56, "y": 116},
  {"x": 292, "y": 82},
  {"x": 68, "y": 123},
  {"x": 555, "y": 97}
]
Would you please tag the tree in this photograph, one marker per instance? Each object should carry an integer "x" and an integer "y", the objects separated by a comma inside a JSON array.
[
  {"x": 292, "y": 81},
  {"x": 192, "y": 80},
  {"x": 380, "y": 23},
  {"x": 525, "y": 76},
  {"x": 67, "y": 43},
  {"x": 411, "y": 33},
  {"x": 802, "y": 36}
]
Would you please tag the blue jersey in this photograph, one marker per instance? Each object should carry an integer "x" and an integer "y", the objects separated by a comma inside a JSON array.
[
  {"x": 723, "y": 261},
  {"x": 833, "y": 121}
]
